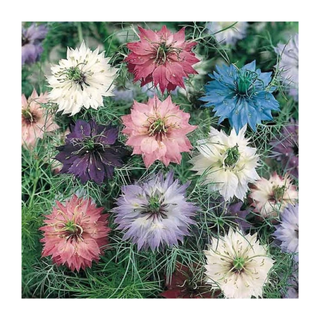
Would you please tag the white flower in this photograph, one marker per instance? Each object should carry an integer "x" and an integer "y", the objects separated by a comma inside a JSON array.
[
  {"x": 230, "y": 35},
  {"x": 227, "y": 163},
  {"x": 81, "y": 80},
  {"x": 270, "y": 197},
  {"x": 238, "y": 264},
  {"x": 289, "y": 64}
]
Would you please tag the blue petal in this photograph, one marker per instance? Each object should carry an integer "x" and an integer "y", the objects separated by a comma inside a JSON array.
[{"x": 250, "y": 66}]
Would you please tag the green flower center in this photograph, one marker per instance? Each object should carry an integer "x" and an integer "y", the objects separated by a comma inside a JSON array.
[
  {"x": 154, "y": 204},
  {"x": 232, "y": 157},
  {"x": 245, "y": 82},
  {"x": 277, "y": 194},
  {"x": 238, "y": 264},
  {"x": 70, "y": 226},
  {"x": 77, "y": 76},
  {"x": 157, "y": 127},
  {"x": 162, "y": 52},
  {"x": 73, "y": 231},
  {"x": 28, "y": 116},
  {"x": 155, "y": 208},
  {"x": 89, "y": 144}
]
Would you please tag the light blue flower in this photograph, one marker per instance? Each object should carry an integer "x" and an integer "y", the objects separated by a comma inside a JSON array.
[{"x": 244, "y": 96}]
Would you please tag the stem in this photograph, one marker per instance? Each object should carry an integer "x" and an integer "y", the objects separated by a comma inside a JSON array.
[{"x": 80, "y": 34}]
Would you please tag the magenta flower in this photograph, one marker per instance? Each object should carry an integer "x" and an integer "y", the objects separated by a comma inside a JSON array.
[
  {"x": 157, "y": 130},
  {"x": 161, "y": 57}
]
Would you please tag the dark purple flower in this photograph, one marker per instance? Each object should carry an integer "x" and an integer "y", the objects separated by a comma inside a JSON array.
[
  {"x": 285, "y": 148},
  {"x": 91, "y": 152},
  {"x": 31, "y": 43}
]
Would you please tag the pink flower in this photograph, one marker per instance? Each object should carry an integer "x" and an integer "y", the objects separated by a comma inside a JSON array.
[
  {"x": 157, "y": 130},
  {"x": 271, "y": 197},
  {"x": 162, "y": 57},
  {"x": 35, "y": 121},
  {"x": 75, "y": 233}
]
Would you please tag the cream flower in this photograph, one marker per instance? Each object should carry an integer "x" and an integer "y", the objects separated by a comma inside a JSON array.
[
  {"x": 227, "y": 163},
  {"x": 271, "y": 197},
  {"x": 238, "y": 264},
  {"x": 81, "y": 80}
]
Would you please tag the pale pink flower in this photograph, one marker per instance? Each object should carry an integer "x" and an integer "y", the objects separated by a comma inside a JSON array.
[
  {"x": 35, "y": 119},
  {"x": 75, "y": 234},
  {"x": 271, "y": 197},
  {"x": 161, "y": 57},
  {"x": 157, "y": 130}
]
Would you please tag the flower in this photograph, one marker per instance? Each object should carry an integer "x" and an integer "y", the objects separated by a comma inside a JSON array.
[
  {"x": 90, "y": 151},
  {"x": 75, "y": 234},
  {"x": 161, "y": 57},
  {"x": 83, "y": 79},
  {"x": 31, "y": 43},
  {"x": 241, "y": 95},
  {"x": 182, "y": 284},
  {"x": 238, "y": 264},
  {"x": 286, "y": 148},
  {"x": 235, "y": 31},
  {"x": 270, "y": 197},
  {"x": 289, "y": 64},
  {"x": 154, "y": 212},
  {"x": 157, "y": 130},
  {"x": 35, "y": 121},
  {"x": 227, "y": 163},
  {"x": 288, "y": 230}
]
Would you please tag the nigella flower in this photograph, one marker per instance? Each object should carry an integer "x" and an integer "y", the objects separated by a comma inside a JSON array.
[
  {"x": 244, "y": 96},
  {"x": 81, "y": 80},
  {"x": 35, "y": 121},
  {"x": 287, "y": 232},
  {"x": 289, "y": 64},
  {"x": 271, "y": 197},
  {"x": 235, "y": 31},
  {"x": 91, "y": 151},
  {"x": 31, "y": 43},
  {"x": 286, "y": 148},
  {"x": 227, "y": 163},
  {"x": 238, "y": 264},
  {"x": 157, "y": 130},
  {"x": 155, "y": 212},
  {"x": 183, "y": 284},
  {"x": 75, "y": 233},
  {"x": 161, "y": 57}
]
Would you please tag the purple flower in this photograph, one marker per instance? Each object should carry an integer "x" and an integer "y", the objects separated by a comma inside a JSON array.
[
  {"x": 91, "y": 152},
  {"x": 287, "y": 232},
  {"x": 233, "y": 211},
  {"x": 31, "y": 43},
  {"x": 286, "y": 148},
  {"x": 154, "y": 212}
]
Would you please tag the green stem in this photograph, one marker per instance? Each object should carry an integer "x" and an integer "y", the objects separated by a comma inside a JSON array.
[{"x": 80, "y": 34}]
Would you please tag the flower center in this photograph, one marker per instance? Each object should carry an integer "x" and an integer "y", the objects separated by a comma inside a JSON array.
[
  {"x": 162, "y": 52},
  {"x": 155, "y": 208},
  {"x": 238, "y": 264},
  {"x": 89, "y": 144},
  {"x": 158, "y": 129},
  {"x": 277, "y": 194},
  {"x": 28, "y": 116},
  {"x": 245, "y": 82},
  {"x": 77, "y": 76},
  {"x": 73, "y": 230},
  {"x": 232, "y": 156},
  {"x": 25, "y": 40}
]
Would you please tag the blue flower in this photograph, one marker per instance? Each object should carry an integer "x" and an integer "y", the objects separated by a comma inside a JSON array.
[{"x": 241, "y": 95}]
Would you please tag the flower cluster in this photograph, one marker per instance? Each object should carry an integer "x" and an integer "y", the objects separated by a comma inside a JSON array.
[{"x": 193, "y": 202}]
